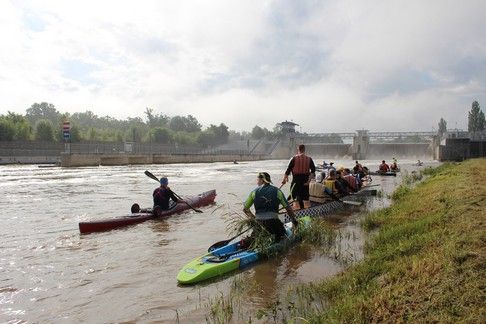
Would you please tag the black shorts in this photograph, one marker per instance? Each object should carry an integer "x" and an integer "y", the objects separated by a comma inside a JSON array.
[
  {"x": 274, "y": 226},
  {"x": 299, "y": 191}
]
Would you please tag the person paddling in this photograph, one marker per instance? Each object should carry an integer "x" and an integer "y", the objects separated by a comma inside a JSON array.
[
  {"x": 383, "y": 168},
  {"x": 162, "y": 195},
  {"x": 267, "y": 199}
]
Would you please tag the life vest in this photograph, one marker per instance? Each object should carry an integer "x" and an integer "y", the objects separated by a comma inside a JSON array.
[
  {"x": 353, "y": 182},
  {"x": 301, "y": 165},
  {"x": 331, "y": 185},
  {"x": 266, "y": 199},
  {"x": 316, "y": 192},
  {"x": 384, "y": 167}
]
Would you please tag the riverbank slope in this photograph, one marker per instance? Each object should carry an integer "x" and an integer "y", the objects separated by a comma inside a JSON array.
[{"x": 425, "y": 258}]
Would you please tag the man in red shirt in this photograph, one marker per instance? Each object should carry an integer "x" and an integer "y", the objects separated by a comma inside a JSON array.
[{"x": 303, "y": 170}]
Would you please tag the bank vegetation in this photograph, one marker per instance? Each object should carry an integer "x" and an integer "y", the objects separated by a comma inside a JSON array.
[{"x": 424, "y": 259}]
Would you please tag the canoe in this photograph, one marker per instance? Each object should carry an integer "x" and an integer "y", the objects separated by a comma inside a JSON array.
[
  {"x": 323, "y": 209},
  {"x": 107, "y": 224},
  {"x": 379, "y": 173},
  {"x": 230, "y": 257}
]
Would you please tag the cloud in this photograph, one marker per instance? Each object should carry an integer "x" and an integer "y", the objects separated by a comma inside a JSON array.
[{"x": 328, "y": 66}]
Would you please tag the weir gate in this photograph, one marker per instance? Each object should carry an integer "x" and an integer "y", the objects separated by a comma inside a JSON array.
[{"x": 363, "y": 144}]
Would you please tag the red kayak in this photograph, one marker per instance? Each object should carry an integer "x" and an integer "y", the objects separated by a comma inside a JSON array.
[{"x": 107, "y": 224}]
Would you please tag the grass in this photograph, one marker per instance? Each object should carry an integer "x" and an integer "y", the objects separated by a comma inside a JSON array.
[
  {"x": 424, "y": 259},
  {"x": 425, "y": 262}
]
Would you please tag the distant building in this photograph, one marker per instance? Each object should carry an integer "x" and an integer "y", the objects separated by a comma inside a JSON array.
[{"x": 287, "y": 127}]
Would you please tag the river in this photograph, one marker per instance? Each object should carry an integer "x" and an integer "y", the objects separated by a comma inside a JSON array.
[{"x": 51, "y": 273}]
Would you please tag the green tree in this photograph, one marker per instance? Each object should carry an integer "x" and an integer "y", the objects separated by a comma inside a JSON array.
[
  {"x": 192, "y": 124},
  {"x": 23, "y": 130},
  {"x": 258, "y": 133},
  {"x": 75, "y": 134},
  {"x": 184, "y": 124},
  {"x": 43, "y": 110},
  {"x": 156, "y": 120},
  {"x": 92, "y": 135},
  {"x": 442, "y": 127},
  {"x": 44, "y": 130},
  {"x": 476, "y": 121},
  {"x": 7, "y": 130},
  {"x": 220, "y": 132},
  {"x": 134, "y": 134},
  {"x": 161, "y": 135}
]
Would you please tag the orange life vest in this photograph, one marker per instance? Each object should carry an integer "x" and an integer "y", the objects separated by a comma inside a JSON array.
[{"x": 301, "y": 165}]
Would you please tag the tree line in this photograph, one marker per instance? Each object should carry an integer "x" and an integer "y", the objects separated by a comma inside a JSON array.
[{"x": 43, "y": 122}]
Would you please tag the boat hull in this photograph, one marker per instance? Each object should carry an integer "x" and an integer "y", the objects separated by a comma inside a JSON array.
[
  {"x": 319, "y": 210},
  {"x": 378, "y": 173},
  {"x": 108, "y": 224},
  {"x": 229, "y": 258}
]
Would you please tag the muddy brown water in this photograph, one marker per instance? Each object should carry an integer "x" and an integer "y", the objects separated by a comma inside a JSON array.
[{"x": 51, "y": 273}]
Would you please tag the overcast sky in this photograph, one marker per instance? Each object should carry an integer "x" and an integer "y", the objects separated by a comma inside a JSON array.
[{"x": 329, "y": 66}]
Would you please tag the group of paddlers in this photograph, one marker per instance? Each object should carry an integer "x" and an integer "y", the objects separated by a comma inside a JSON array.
[
  {"x": 267, "y": 198},
  {"x": 304, "y": 189},
  {"x": 384, "y": 167}
]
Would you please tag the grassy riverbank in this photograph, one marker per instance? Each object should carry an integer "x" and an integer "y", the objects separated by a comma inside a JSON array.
[{"x": 425, "y": 258}]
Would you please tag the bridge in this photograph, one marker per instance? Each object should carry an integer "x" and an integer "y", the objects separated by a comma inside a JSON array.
[{"x": 372, "y": 135}]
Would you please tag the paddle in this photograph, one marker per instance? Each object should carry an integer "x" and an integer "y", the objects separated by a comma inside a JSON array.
[
  {"x": 225, "y": 242},
  {"x": 333, "y": 196},
  {"x": 150, "y": 175}
]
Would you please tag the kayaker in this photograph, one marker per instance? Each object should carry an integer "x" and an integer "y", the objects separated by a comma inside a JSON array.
[
  {"x": 267, "y": 199},
  {"x": 383, "y": 167},
  {"x": 162, "y": 195},
  {"x": 303, "y": 171},
  {"x": 394, "y": 165}
]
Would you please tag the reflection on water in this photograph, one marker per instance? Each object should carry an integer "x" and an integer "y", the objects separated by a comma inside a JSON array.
[{"x": 50, "y": 273}]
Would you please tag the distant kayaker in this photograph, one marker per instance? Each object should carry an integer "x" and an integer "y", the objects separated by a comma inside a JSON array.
[
  {"x": 332, "y": 167},
  {"x": 303, "y": 171},
  {"x": 384, "y": 167},
  {"x": 267, "y": 199},
  {"x": 394, "y": 165},
  {"x": 163, "y": 194}
]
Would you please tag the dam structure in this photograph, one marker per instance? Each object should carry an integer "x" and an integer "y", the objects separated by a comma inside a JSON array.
[{"x": 358, "y": 145}]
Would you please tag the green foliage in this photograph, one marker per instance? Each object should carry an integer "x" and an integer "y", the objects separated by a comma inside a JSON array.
[
  {"x": 44, "y": 130},
  {"x": 184, "y": 124},
  {"x": 161, "y": 135},
  {"x": 424, "y": 264},
  {"x": 7, "y": 130},
  {"x": 184, "y": 138},
  {"x": 134, "y": 134},
  {"x": 43, "y": 110},
  {"x": 156, "y": 120},
  {"x": 21, "y": 127},
  {"x": 183, "y": 130},
  {"x": 476, "y": 121},
  {"x": 258, "y": 133}
]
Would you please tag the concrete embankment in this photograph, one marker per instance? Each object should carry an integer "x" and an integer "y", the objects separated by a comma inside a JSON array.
[{"x": 77, "y": 160}]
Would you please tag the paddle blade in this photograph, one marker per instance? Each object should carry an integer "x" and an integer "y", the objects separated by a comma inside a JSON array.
[
  {"x": 217, "y": 245},
  {"x": 150, "y": 175},
  {"x": 353, "y": 203}
]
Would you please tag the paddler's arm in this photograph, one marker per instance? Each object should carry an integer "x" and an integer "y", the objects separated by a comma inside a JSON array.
[
  {"x": 288, "y": 208},
  {"x": 247, "y": 205},
  {"x": 287, "y": 172}
]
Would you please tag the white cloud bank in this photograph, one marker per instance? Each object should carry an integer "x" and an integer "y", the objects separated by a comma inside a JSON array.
[{"x": 330, "y": 66}]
